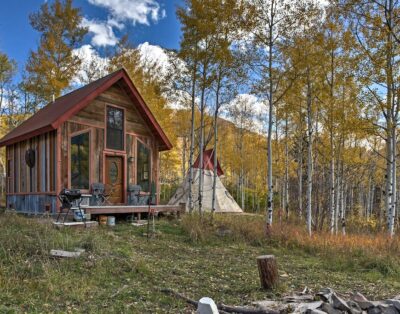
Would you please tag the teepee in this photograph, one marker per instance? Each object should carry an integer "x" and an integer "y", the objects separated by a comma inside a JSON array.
[{"x": 224, "y": 202}]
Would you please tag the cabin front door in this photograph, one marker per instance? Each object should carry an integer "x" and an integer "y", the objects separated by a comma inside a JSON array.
[{"x": 114, "y": 179}]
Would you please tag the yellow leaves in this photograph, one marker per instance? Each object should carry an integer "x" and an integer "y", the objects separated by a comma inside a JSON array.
[{"x": 51, "y": 68}]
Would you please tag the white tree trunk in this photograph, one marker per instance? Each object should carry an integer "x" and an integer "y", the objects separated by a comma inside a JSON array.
[
  {"x": 201, "y": 149},
  {"x": 270, "y": 186},
  {"x": 388, "y": 195},
  {"x": 192, "y": 139},
  {"x": 215, "y": 169},
  {"x": 393, "y": 201},
  {"x": 332, "y": 192},
  {"x": 286, "y": 180},
  {"x": 300, "y": 175},
  {"x": 342, "y": 207},
  {"x": 337, "y": 202},
  {"x": 310, "y": 162}
]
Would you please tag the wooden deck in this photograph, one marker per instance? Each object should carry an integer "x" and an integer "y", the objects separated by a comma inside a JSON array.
[{"x": 129, "y": 209}]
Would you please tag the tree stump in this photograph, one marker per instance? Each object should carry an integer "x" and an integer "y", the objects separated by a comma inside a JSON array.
[{"x": 268, "y": 270}]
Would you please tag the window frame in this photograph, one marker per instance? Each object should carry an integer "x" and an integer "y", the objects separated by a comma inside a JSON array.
[
  {"x": 73, "y": 134},
  {"x": 106, "y": 127},
  {"x": 150, "y": 161}
]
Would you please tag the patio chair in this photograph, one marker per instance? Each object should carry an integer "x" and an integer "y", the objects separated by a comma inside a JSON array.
[
  {"x": 98, "y": 194},
  {"x": 136, "y": 196}
]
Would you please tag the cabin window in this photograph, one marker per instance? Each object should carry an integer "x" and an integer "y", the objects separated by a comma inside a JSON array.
[
  {"x": 115, "y": 128},
  {"x": 80, "y": 161},
  {"x": 143, "y": 166}
]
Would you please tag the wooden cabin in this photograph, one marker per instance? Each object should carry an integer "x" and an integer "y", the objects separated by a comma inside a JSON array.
[{"x": 101, "y": 133}]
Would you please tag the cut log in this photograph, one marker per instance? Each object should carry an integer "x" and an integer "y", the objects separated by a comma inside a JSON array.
[{"x": 268, "y": 270}]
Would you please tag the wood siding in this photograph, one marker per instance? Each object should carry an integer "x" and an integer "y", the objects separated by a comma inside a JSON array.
[
  {"x": 32, "y": 203},
  {"x": 33, "y": 190},
  {"x": 41, "y": 178},
  {"x": 93, "y": 119}
]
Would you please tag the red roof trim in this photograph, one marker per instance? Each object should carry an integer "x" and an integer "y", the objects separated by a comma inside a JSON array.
[{"x": 26, "y": 136}]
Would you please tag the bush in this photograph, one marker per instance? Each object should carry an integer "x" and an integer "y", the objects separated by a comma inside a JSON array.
[{"x": 198, "y": 227}]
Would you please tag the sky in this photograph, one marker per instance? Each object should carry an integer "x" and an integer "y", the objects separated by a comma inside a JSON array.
[{"x": 152, "y": 21}]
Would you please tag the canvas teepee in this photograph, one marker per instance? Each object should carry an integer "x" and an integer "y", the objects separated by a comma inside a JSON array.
[{"x": 224, "y": 202}]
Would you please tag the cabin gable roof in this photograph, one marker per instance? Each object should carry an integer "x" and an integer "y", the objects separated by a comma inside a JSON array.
[{"x": 63, "y": 108}]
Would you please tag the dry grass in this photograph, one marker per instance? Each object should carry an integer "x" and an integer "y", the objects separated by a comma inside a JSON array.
[
  {"x": 122, "y": 271},
  {"x": 374, "y": 244},
  {"x": 376, "y": 251}
]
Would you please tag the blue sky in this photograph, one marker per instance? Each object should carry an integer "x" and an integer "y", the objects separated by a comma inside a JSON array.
[{"x": 152, "y": 21}]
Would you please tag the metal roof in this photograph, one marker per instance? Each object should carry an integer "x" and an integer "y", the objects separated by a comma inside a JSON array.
[{"x": 55, "y": 113}]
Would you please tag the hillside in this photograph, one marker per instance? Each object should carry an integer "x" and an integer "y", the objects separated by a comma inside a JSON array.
[{"x": 123, "y": 271}]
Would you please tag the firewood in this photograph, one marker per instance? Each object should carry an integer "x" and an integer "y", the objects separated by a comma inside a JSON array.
[{"x": 222, "y": 307}]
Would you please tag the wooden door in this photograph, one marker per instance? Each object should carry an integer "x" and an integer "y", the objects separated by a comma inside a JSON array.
[{"x": 114, "y": 179}]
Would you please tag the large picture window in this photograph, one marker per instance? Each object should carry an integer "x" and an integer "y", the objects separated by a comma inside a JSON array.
[
  {"x": 143, "y": 166},
  {"x": 115, "y": 128},
  {"x": 80, "y": 161}
]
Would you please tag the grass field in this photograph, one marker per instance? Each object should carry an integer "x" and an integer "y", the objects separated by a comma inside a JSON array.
[{"x": 122, "y": 271}]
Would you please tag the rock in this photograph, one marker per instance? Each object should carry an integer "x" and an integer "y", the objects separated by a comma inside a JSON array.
[
  {"x": 365, "y": 305},
  {"x": 333, "y": 304},
  {"x": 394, "y": 302},
  {"x": 207, "y": 306},
  {"x": 358, "y": 297},
  {"x": 280, "y": 307},
  {"x": 66, "y": 254},
  {"x": 266, "y": 305},
  {"x": 354, "y": 307},
  {"x": 298, "y": 298},
  {"x": 315, "y": 312},
  {"x": 387, "y": 309},
  {"x": 326, "y": 294},
  {"x": 328, "y": 308},
  {"x": 339, "y": 304},
  {"x": 304, "y": 307},
  {"x": 381, "y": 308},
  {"x": 374, "y": 310}
]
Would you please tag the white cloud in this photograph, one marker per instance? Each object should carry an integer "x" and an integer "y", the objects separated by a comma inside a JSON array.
[
  {"x": 114, "y": 23},
  {"x": 103, "y": 34},
  {"x": 154, "y": 55},
  {"x": 168, "y": 66},
  {"x": 135, "y": 11},
  {"x": 249, "y": 110},
  {"x": 93, "y": 66}
]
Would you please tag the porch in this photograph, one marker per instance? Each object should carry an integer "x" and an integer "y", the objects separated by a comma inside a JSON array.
[{"x": 133, "y": 209}]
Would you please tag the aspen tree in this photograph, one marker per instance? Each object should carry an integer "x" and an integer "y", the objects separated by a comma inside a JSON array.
[{"x": 51, "y": 68}]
